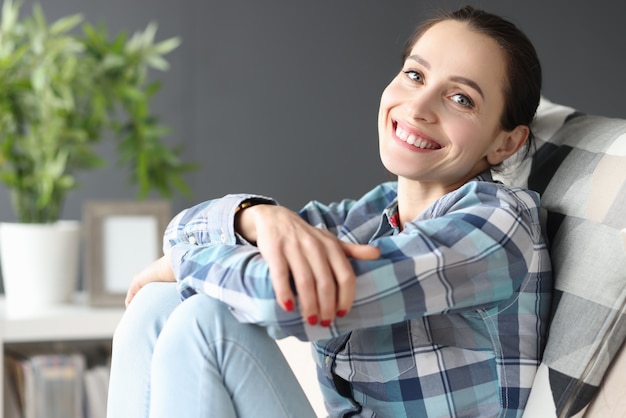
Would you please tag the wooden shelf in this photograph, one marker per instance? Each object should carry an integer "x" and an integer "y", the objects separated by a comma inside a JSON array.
[
  {"x": 61, "y": 323},
  {"x": 64, "y": 322},
  {"x": 72, "y": 322}
]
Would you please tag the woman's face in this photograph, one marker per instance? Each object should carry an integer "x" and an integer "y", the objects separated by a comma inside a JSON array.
[{"x": 439, "y": 117}]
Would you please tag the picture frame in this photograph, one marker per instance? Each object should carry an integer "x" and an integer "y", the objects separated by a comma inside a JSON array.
[{"x": 121, "y": 238}]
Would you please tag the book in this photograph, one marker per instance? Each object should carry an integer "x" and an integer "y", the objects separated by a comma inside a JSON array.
[
  {"x": 49, "y": 385},
  {"x": 11, "y": 402},
  {"x": 96, "y": 391}
]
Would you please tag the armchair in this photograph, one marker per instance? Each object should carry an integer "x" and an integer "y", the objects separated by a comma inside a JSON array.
[{"x": 579, "y": 167}]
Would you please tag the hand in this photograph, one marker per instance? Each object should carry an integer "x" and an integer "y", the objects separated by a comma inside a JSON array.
[
  {"x": 316, "y": 259},
  {"x": 157, "y": 271}
]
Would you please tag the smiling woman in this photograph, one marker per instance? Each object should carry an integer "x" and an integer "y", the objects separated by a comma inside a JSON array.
[
  {"x": 428, "y": 296},
  {"x": 445, "y": 109}
]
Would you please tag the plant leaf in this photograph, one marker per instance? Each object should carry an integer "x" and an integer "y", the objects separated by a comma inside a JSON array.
[
  {"x": 65, "y": 24},
  {"x": 167, "y": 46}
]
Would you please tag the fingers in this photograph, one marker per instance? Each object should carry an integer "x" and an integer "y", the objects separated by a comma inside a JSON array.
[
  {"x": 306, "y": 287},
  {"x": 323, "y": 277},
  {"x": 320, "y": 301},
  {"x": 345, "y": 281},
  {"x": 159, "y": 270},
  {"x": 360, "y": 251},
  {"x": 132, "y": 291},
  {"x": 338, "y": 280},
  {"x": 280, "y": 275},
  {"x": 293, "y": 260},
  {"x": 332, "y": 275},
  {"x": 312, "y": 260}
]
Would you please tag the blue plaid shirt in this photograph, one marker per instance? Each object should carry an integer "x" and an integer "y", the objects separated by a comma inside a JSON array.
[{"x": 449, "y": 321}]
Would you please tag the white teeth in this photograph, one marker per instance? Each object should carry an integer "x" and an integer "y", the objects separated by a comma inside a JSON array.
[
  {"x": 414, "y": 140},
  {"x": 401, "y": 133}
]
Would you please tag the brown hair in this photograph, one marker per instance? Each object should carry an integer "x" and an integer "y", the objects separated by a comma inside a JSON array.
[{"x": 523, "y": 88}]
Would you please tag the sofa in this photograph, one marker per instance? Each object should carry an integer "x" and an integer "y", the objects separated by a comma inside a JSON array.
[{"x": 578, "y": 165}]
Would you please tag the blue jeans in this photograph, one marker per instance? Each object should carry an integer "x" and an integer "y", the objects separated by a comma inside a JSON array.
[{"x": 194, "y": 359}]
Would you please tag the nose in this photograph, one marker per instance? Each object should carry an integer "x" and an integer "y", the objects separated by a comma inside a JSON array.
[{"x": 422, "y": 104}]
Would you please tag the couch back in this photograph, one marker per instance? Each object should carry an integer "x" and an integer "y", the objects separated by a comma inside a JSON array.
[{"x": 579, "y": 168}]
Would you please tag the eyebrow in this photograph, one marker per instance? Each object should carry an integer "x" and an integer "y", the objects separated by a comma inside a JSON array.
[{"x": 458, "y": 79}]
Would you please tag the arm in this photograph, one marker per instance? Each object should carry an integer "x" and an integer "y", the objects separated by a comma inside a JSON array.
[
  {"x": 313, "y": 256},
  {"x": 208, "y": 222},
  {"x": 159, "y": 270},
  {"x": 473, "y": 252},
  {"x": 202, "y": 223},
  {"x": 311, "y": 260}
]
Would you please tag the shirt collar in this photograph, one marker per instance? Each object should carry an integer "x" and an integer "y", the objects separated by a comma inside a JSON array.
[{"x": 391, "y": 217}]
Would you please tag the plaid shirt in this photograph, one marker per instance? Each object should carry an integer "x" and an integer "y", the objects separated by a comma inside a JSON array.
[{"x": 449, "y": 321}]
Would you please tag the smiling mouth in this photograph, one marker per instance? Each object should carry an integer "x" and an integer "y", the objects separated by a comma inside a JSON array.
[{"x": 415, "y": 140}]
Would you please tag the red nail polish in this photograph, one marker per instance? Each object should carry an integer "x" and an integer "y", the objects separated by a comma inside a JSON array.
[
  {"x": 289, "y": 305},
  {"x": 312, "y": 320},
  {"x": 325, "y": 323},
  {"x": 342, "y": 313}
]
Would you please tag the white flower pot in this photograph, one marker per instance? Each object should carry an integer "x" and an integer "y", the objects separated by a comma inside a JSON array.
[{"x": 40, "y": 265}]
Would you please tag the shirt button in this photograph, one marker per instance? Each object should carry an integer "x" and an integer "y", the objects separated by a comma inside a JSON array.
[
  {"x": 192, "y": 240},
  {"x": 223, "y": 237}
]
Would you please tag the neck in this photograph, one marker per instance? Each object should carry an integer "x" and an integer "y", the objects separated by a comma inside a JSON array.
[{"x": 415, "y": 196}]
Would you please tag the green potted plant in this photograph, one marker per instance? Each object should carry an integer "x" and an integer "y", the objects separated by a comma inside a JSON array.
[{"x": 63, "y": 91}]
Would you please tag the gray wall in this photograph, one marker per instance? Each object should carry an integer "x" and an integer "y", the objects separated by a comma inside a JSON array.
[{"x": 280, "y": 97}]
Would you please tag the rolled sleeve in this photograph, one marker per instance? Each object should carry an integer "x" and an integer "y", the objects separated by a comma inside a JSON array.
[{"x": 208, "y": 222}]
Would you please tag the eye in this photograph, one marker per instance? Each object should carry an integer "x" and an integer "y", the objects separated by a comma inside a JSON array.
[
  {"x": 463, "y": 100},
  {"x": 414, "y": 76}
]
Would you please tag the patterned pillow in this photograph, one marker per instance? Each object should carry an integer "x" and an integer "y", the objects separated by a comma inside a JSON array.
[{"x": 579, "y": 167}]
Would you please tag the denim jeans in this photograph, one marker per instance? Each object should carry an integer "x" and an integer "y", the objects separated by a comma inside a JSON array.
[{"x": 194, "y": 359}]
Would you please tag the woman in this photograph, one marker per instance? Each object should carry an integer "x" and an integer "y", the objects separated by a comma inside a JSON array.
[{"x": 428, "y": 297}]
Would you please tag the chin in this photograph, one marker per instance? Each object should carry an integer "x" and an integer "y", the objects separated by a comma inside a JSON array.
[
  {"x": 397, "y": 165},
  {"x": 397, "y": 171}
]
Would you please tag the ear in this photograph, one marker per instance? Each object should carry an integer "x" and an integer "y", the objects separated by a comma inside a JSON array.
[{"x": 507, "y": 143}]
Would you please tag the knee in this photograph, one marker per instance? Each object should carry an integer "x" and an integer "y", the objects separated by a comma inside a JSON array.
[
  {"x": 199, "y": 312},
  {"x": 146, "y": 314},
  {"x": 199, "y": 321}
]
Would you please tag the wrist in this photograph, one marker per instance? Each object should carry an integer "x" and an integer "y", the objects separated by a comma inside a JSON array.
[{"x": 244, "y": 218}]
